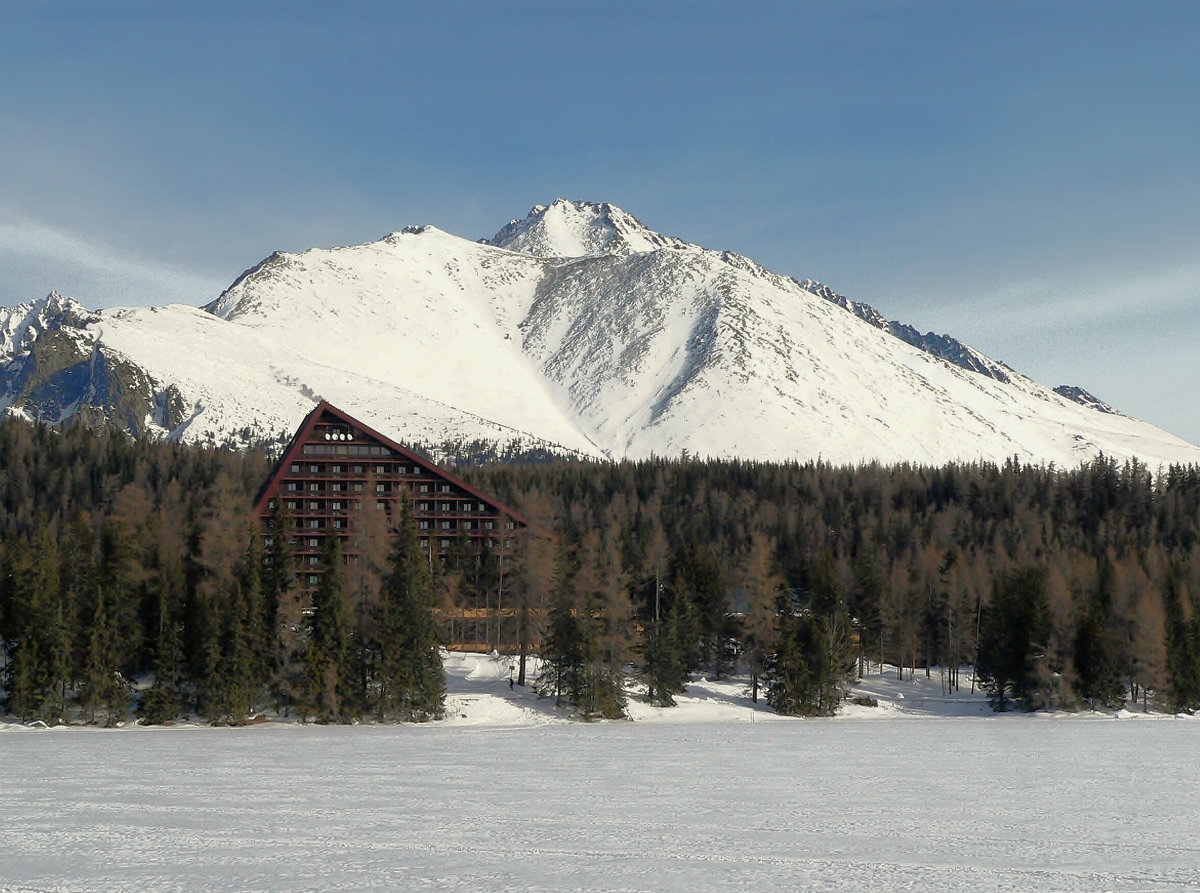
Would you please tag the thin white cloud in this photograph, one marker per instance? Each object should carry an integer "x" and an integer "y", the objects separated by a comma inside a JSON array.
[
  {"x": 36, "y": 258},
  {"x": 1087, "y": 297}
]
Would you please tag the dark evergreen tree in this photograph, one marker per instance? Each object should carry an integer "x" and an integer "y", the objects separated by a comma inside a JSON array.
[
  {"x": 412, "y": 680},
  {"x": 328, "y": 675},
  {"x": 104, "y": 695},
  {"x": 1183, "y": 645},
  {"x": 1096, "y": 659},
  {"x": 1015, "y": 631},
  {"x": 663, "y": 666},
  {"x": 161, "y": 703},
  {"x": 812, "y": 667}
]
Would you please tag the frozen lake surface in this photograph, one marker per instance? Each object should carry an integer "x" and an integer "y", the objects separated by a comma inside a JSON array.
[{"x": 1015, "y": 803}]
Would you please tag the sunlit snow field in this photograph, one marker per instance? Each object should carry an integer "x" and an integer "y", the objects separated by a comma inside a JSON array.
[{"x": 925, "y": 803}]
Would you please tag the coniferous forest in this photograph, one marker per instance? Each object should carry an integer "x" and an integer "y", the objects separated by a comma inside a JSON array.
[{"x": 133, "y": 581}]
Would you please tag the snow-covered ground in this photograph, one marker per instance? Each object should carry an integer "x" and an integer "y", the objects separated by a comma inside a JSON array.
[{"x": 710, "y": 796}]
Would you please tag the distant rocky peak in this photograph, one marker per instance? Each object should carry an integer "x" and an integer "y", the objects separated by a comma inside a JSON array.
[
  {"x": 57, "y": 310},
  {"x": 1084, "y": 398},
  {"x": 566, "y": 228},
  {"x": 22, "y": 325}
]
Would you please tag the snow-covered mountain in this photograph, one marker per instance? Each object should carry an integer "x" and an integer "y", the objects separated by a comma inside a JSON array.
[{"x": 575, "y": 329}]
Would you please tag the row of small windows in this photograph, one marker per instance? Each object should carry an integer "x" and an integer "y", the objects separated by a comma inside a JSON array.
[
  {"x": 445, "y": 543},
  {"x": 341, "y": 449},
  {"x": 380, "y": 487},
  {"x": 344, "y": 524},
  {"x": 465, "y": 525},
  {"x": 302, "y": 468},
  {"x": 295, "y": 505}
]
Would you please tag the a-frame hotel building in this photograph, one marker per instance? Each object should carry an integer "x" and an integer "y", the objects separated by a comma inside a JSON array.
[{"x": 336, "y": 469}]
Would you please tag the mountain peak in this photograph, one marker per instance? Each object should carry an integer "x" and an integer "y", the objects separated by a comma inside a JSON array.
[{"x": 567, "y": 228}]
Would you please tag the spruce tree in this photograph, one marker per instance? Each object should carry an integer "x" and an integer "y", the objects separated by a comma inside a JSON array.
[
  {"x": 663, "y": 666},
  {"x": 280, "y": 612},
  {"x": 104, "y": 696},
  {"x": 412, "y": 680},
  {"x": 1183, "y": 645},
  {"x": 790, "y": 688},
  {"x": 1095, "y": 649},
  {"x": 327, "y": 651},
  {"x": 1016, "y": 628},
  {"x": 161, "y": 702}
]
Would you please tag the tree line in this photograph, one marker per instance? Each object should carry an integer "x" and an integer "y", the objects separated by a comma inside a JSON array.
[
  {"x": 1062, "y": 587},
  {"x": 133, "y": 576}
]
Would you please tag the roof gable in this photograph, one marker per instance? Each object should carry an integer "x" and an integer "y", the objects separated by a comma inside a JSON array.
[{"x": 362, "y": 436}]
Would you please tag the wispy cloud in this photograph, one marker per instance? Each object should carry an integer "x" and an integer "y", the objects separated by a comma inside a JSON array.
[
  {"x": 36, "y": 258},
  {"x": 1094, "y": 296}
]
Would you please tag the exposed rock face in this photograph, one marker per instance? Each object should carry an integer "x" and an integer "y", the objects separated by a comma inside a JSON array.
[
  {"x": 576, "y": 330},
  {"x": 1084, "y": 398},
  {"x": 54, "y": 367}
]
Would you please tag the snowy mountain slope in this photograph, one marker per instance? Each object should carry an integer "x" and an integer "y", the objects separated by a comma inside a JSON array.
[
  {"x": 576, "y": 328},
  {"x": 420, "y": 309},
  {"x": 245, "y": 385},
  {"x": 580, "y": 229},
  {"x": 686, "y": 348}
]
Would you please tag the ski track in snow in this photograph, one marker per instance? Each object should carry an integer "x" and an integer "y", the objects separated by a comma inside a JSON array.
[{"x": 709, "y": 796}]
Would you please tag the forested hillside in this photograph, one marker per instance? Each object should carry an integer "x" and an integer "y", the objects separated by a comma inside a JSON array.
[
  {"x": 1069, "y": 587},
  {"x": 133, "y": 577}
]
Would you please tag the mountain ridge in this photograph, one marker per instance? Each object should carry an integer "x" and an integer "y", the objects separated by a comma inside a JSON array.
[{"x": 577, "y": 329}]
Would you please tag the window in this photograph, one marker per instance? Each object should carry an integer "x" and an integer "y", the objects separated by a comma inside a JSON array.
[
  {"x": 446, "y": 506},
  {"x": 291, "y": 504},
  {"x": 424, "y": 543},
  {"x": 337, "y": 506},
  {"x": 295, "y": 468},
  {"x": 314, "y": 506},
  {"x": 489, "y": 524},
  {"x": 313, "y": 543},
  {"x": 338, "y": 488},
  {"x": 445, "y": 488},
  {"x": 313, "y": 560},
  {"x": 424, "y": 488},
  {"x": 380, "y": 505},
  {"x": 511, "y": 525},
  {"x": 445, "y": 544},
  {"x": 423, "y": 525},
  {"x": 314, "y": 487},
  {"x": 268, "y": 541},
  {"x": 313, "y": 579},
  {"x": 358, "y": 488},
  {"x": 446, "y": 525},
  {"x": 358, "y": 469},
  {"x": 401, "y": 469},
  {"x": 339, "y": 523},
  {"x": 314, "y": 469},
  {"x": 380, "y": 488},
  {"x": 481, "y": 507},
  {"x": 336, "y": 469},
  {"x": 314, "y": 523},
  {"x": 381, "y": 469},
  {"x": 357, "y": 505},
  {"x": 292, "y": 485},
  {"x": 423, "y": 506}
]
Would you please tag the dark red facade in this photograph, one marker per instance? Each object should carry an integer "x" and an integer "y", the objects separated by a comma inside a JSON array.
[{"x": 337, "y": 470}]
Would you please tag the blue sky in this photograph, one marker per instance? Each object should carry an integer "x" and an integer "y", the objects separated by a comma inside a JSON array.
[{"x": 1021, "y": 175}]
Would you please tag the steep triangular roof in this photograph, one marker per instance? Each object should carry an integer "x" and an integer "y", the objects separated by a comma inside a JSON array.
[{"x": 295, "y": 448}]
